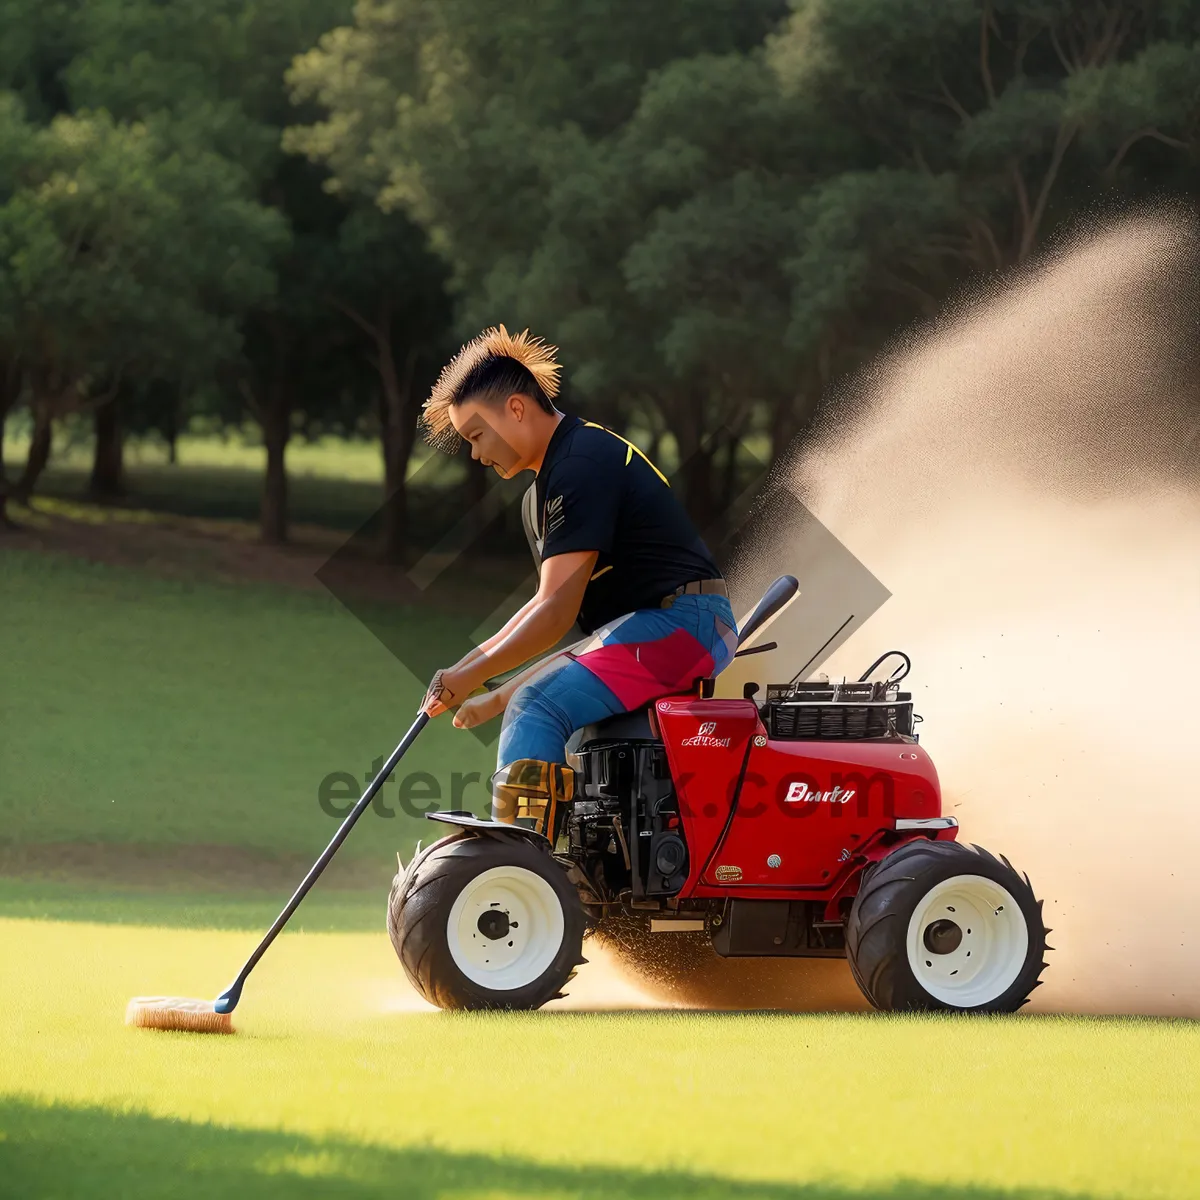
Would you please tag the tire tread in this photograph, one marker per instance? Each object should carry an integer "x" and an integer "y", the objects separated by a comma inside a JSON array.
[
  {"x": 877, "y": 928},
  {"x": 419, "y": 905}
]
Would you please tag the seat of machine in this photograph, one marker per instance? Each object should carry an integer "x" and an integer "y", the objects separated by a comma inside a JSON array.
[{"x": 624, "y": 727}]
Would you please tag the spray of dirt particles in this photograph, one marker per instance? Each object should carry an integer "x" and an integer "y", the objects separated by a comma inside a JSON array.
[
  {"x": 1024, "y": 479},
  {"x": 1025, "y": 483}
]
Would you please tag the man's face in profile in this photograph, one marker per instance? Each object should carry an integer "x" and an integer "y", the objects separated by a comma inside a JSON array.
[{"x": 495, "y": 433}]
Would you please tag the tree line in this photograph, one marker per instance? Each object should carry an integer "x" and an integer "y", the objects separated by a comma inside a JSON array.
[{"x": 290, "y": 211}]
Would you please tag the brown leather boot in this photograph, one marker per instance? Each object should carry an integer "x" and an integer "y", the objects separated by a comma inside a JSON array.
[{"x": 532, "y": 792}]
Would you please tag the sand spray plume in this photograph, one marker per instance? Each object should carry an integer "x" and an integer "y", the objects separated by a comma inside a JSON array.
[{"x": 1025, "y": 479}]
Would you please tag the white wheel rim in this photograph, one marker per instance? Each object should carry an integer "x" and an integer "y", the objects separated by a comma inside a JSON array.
[
  {"x": 982, "y": 960},
  {"x": 505, "y": 928}
]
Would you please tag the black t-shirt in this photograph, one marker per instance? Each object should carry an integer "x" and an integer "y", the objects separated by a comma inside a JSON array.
[{"x": 597, "y": 491}]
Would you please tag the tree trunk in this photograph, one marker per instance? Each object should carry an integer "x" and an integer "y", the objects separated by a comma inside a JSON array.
[
  {"x": 39, "y": 450},
  {"x": 784, "y": 427},
  {"x": 700, "y": 487},
  {"x": 5, "y": 522},
  {"x": 399, "y": 435},
  {"x": 171, "y": 434},
  {"x": 10, "y": 389},
  {"x": 276, "y": 427},
  {"x": 271, "y": 405},
  {"x": 394, "y": 535},
  {"x": 696, "y": 471},
  {"x": 397, "y": 421},
  {"x": 729, "y": 472},
  {"x": 618, "y": 421},
  {"x": 107, "y": 463}
]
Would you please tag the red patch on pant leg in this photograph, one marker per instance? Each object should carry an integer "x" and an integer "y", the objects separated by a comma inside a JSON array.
[{"x": 638, "y": 672}]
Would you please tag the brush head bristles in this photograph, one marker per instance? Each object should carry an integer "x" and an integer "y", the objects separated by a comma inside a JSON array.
[{"x": 177, "y": 1012}]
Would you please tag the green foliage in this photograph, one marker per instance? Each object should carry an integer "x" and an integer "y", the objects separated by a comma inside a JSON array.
[
  {"x": 712, "y": 216},
  {"x": 39, "y": 41},
  {"x": 540, "y": 150},
  {"x": 165, "y": 250},
  {"x": 712, "y": 206},
  {"x": 470, "y": 121},
  {"x": 213, "y": 69},
  {"x": 119, "y": 254}
]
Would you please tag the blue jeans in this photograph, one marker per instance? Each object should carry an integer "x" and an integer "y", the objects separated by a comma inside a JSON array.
[{"x": 635, "y": 659}]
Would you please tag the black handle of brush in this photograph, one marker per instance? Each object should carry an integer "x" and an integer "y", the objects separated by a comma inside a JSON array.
[{"x": 228, "y": 999}]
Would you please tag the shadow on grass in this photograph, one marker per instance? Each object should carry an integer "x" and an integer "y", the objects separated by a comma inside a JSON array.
[{"x": 60, "y": 1151}]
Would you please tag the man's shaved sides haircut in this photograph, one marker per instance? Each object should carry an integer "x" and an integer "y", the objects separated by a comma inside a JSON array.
[{"x": 492, "y": 366}]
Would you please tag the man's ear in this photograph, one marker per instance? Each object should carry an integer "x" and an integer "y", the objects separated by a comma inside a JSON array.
[{"x": 516, "y": 405}]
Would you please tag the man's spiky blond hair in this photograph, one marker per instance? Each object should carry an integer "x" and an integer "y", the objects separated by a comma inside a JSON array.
[{"x": 532, "y": 353}]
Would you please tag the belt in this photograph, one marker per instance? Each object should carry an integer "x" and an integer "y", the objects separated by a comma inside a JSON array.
[{"x": 696, "y": 587}]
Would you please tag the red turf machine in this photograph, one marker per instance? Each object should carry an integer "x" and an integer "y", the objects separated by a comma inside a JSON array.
[{"x": 807, "y": 824}]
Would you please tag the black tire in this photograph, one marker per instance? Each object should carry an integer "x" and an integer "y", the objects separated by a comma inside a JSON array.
[
  {"x": 423, "y": 898},
  {"x": 877, "y": 933}
]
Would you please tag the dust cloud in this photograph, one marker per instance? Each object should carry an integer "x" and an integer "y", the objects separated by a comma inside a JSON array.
[{"x": 1024, "y": 478}]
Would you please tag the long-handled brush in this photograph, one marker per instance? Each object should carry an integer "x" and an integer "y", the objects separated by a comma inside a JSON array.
[{"x": 214, "y": 1016}]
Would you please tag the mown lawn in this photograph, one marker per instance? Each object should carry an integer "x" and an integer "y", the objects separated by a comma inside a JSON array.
[
  {"x": 163, "y": 745},
  {"x": 155, "y": 712},
  {"x": 339, "y": 1083}
]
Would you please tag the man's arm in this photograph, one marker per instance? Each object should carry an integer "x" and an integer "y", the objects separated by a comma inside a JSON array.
[
  {"x": 538, "y": 625},
  {"x": 510, "y": 685},
  {"x": 477, "y": 709}
]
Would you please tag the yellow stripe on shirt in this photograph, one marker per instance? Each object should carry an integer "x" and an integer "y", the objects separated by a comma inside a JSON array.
[{"x": 631, "y": 451}]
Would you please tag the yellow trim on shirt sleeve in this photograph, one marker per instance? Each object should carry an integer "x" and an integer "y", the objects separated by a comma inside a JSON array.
[{"x": 631, "y": 452}]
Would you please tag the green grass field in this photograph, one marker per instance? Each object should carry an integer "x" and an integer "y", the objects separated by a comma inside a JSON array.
[
  {"x": 163, "y": 745},
  {"x": 142, "y": 710},
  {"x": 335, "y": 1085}
]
